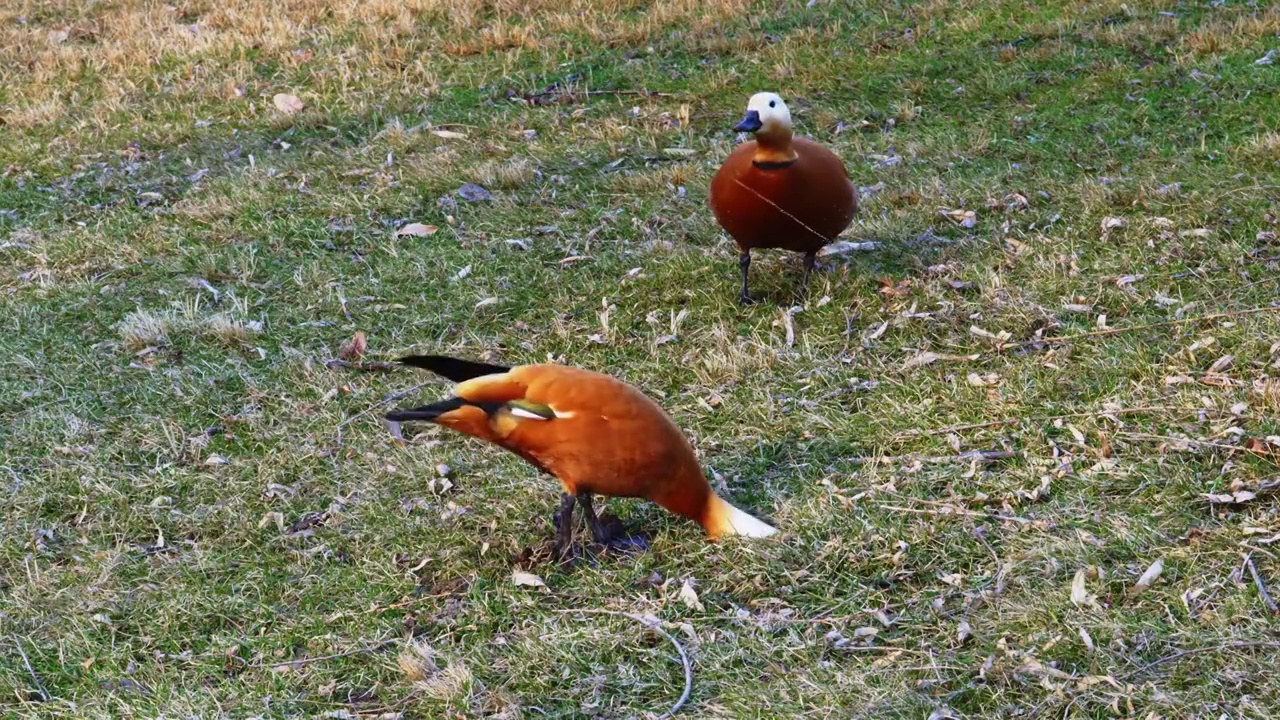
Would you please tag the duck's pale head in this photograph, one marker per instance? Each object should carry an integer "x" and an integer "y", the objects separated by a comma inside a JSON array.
[{"x": 766, "y": 113}]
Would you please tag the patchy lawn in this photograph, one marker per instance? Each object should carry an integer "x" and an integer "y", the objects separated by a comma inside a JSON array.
[{"x": 1075, "y": 213}]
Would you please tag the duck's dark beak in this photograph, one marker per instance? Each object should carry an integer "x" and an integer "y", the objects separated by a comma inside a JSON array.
[{"x": 750, "y": 123}]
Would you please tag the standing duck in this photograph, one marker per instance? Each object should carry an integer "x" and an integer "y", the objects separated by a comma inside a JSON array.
[
  {"x": 779, "y": 191},
  {"x": 596, "y": 434}
]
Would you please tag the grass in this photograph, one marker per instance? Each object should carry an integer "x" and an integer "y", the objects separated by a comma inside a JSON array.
[{"x": 197, "y": 512}]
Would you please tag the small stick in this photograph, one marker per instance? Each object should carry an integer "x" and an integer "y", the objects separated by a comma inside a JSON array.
[
  {"x": 307, "y": 661},
  {"x": 1262, "y": 588},
  {"x": 656, "y": 627},
  {"x": 388, "y": 399},
  {"x": 1050, "y": 418},
  {"x": 956, "y": 511},
  {"x": 366, "y": 366},
  {"x": 979, "y": 455},
  {"x": 1196, "y": 651},
  {"x": 44, "y": 695},
  {"x": 1134, "y": 328}
]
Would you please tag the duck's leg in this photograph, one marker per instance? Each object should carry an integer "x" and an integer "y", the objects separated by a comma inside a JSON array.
[
  {"x": 810, "y": 260},
  {"x": 744, "y": 264},
  {"x": 609, "y": 531},
  {"x": 598, "y": 531},
  {"x": 564, "y": 527}
]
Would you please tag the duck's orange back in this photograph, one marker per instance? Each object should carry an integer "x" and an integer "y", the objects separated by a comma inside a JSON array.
[{"x": 609, "y": 438}]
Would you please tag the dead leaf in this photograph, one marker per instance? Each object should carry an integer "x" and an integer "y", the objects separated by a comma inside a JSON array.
[
  {"x": 448, "y": 134},
  {"x": 1148, "y": 577},
  {"x": 353, "y": 349},
  {"x": 487, "y": 302},
  {"x": 287, "y": 104},
  {"x": 1235, "y": 498},
  {"x": 1080, "y": 596},
  {"x": 417, "y": 230},
  {"x": 472, "y": 192},
  {"x": 1222, "y": 363},
  {"x": 963, "y": 218},
  {"x": 894, "y": 288},
  {"x": 1086, "y": 639},
  {"x": 1111, "y": 223},
  {"x": 689, "y": 597},
  {"x": 520, "y": 577},
  {"x": 920, "y": 360},
  {"x": 963, "y": 631}
]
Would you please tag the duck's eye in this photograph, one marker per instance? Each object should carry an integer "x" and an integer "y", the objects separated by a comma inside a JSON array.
[{"x": 773, "y": 103}]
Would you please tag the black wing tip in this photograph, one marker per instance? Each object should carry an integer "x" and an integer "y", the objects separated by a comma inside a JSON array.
[{"x": 455, "y": 369}]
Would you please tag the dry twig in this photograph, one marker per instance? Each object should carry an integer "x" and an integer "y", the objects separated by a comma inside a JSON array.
[
  {"x": 656, "y": 627},
  {"x": 1050, "y": 418},
  {"x": 972, "y": 455},
  {"x": 44, "y": 695},
  {"x": 363, "y": 366},
  {"x": 1134, "y": 328},
  {"x": 1197, "y": 651},
  {"x": 1262, "y": 587},
  {"x": 956, "y": 511},
  {"x": 307, "y": 661}
]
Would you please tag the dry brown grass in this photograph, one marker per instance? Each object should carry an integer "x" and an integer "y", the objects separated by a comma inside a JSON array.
[
  {"x": 1263, "y": 147},
  {"x": 1229, "y": 35}
]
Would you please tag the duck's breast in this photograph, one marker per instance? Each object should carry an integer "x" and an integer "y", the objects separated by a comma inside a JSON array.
[{"x": 801, "y": 206}]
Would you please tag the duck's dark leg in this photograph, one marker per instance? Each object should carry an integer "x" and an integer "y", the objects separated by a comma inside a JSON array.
[
  {"x": 598, "y": 531},
  {"x": 564, "y": 527},
  {"x": 810, "y": 260},
  {"x": 744, "y": 264}
]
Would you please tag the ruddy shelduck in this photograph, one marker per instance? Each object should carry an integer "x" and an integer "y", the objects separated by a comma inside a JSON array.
[
  {"x": 596, "y": 434},
  {"x": 779, "y": 191}
]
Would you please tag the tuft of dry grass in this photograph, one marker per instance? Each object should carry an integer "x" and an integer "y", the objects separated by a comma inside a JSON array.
[
  {"x": 504, "y": 174},
  {"x": 449, "y": 684}
]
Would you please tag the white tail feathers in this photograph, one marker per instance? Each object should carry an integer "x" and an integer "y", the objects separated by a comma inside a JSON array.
[{"x": 725, "y": 519}]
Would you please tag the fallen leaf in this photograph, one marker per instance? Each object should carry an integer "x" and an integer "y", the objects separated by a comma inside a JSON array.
[
  {"x": 1111, "y": 223},
  {"x": 519, "y": 577},
  {"x": 1080, "y": 596},
  {"x": 417, "y": 230},
  {"x": 963, "y": 218},
  {"x": 1086, "y": 639},
  {"x": 217, "y": 460},
  {"x": 448, "y": 134},
  {"x": 963, "y": 631},
  {"x": 353, "y": 349},
  {"x": 1148, "y": 577},
  {"x": 1235, "y": 498},
  {"x": 920, "y": 360},
  {"x": 689, "y": 597},
  {"x": 1222, "y": 363},
  {"x": 487, "y": 302},
  {"x": 895, "y": 289},
  {"x": 287, "y": 104},
  {"x": 474, "y": 193}
]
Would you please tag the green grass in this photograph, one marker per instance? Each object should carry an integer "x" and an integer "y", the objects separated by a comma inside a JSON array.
[{"x": 190, "y": 495}]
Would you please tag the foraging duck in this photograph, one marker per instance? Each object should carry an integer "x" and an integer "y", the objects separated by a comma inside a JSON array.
[
  {"x": 596, "y": 434},
  {"x": 779, "y": 191}
]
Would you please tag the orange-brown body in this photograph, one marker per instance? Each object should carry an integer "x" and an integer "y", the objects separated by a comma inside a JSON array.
[
  {"x": 596, "y": 434},
  {"x": 800, "y": 206}
]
